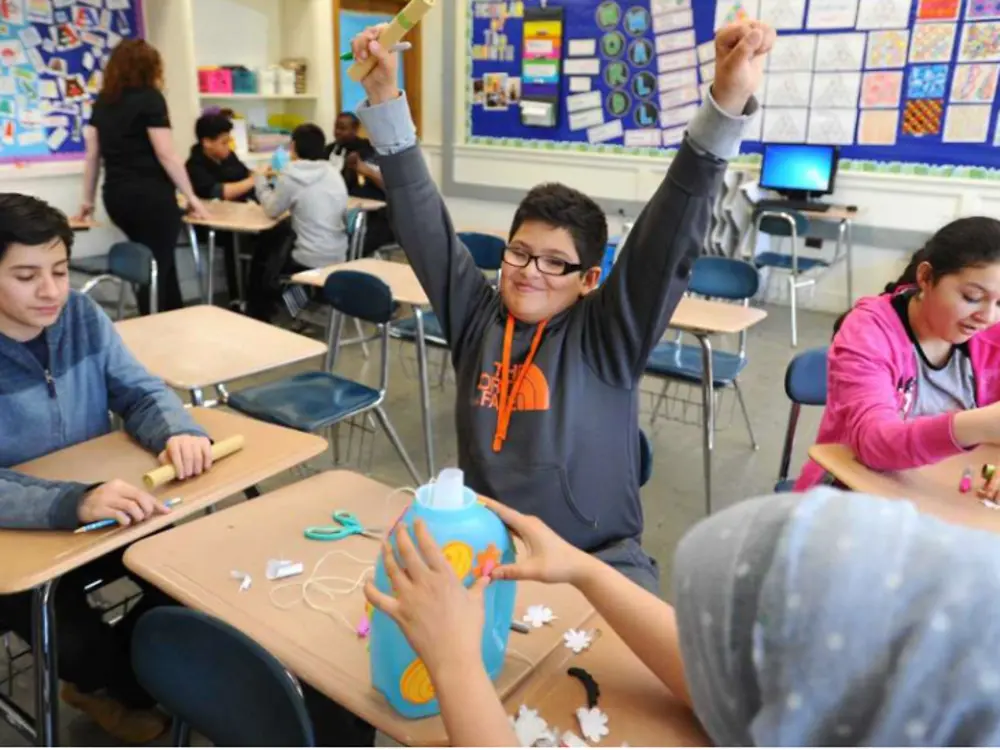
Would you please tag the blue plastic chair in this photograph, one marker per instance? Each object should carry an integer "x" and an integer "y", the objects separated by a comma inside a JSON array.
[
  {"x": 312, "y": 401},
  {"x": 127, "y": 263},
  {"x": 487, "y": 253},
  {"x": 218, "y": 682},
  {"x": 787, "y": 224},
  {"x": 805, "y": 385},
  {"x": 719, "y": 278}
]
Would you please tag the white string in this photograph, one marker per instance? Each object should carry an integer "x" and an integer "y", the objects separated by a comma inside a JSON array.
[{"x": 518, "y": 655}]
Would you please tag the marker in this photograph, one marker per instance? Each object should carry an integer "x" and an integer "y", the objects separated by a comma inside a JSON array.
[
  {"x": 966, "y": 484},
  {"x": 105, "y": 523},
  {"x": 401, "y": 47}
]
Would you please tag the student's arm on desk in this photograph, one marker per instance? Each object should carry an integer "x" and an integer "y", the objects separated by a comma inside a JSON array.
[
  {"x": 628, "y": 314},
  {"x": 420, "y": 218},
  {"x": 152, "y": 413},
  {"x": 862, "y": 388},
  {"x": 27, "y": 502},
  {"x": 274, "y": 200},
  {"x": 206, "y": 187}
]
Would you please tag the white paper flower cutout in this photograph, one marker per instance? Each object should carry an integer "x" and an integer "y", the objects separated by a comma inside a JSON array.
[
  {"x": 529, "y": 726},
  {"x": 569, "y": 739},
  {"x": 577, "y": 640},
  {"x": 593, "y": 723},
  {"x": 538, "y": 615}
]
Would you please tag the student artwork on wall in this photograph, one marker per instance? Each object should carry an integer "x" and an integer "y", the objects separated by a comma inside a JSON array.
[
  {"x": 52, "y": 54},
  {"x": 904, "y": 85}
]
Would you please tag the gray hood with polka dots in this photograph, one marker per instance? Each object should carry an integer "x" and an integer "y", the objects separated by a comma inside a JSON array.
[{"x": 833, "y": 618}]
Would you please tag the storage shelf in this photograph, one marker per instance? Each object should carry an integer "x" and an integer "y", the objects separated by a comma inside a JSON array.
[{"x": 257, "y": 97}]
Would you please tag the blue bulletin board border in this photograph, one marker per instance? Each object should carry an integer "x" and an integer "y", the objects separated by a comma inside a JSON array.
[{"x": 926, "y": 156}]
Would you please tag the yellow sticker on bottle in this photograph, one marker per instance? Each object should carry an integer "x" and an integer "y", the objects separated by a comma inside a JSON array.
[
  {"x": 459, "y": 556},
  {"x": 415, "y": 684}
]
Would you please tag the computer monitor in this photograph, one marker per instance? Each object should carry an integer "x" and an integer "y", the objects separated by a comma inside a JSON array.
[{"x": 799, "y": 170}]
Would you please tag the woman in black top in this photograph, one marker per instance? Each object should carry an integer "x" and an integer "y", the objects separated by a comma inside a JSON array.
[{"x": 130, "y": 129}]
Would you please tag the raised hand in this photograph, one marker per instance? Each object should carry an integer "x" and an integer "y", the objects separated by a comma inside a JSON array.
[
  {"x": 381, "y": 83},
  {"x": 740, "y": 51}
]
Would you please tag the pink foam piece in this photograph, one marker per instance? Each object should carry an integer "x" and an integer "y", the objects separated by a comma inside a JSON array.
[
  {"x": 488, "y": 568},
  {"x": 364, "y": 627}
]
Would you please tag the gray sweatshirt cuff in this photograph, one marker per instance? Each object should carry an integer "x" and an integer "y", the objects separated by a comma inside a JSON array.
[
  {"x": 389, "y": 125},
  {"x": 64, "y": 511},
  {"x": 716, "y": 132}
]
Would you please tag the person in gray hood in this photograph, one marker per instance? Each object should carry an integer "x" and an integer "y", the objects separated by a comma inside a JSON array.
[
  {"x": 548, "y": 367},
  {"x": 315, "y": 195}
]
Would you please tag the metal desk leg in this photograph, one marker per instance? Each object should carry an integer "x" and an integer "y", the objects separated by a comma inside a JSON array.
[
  {"x": 849, "y": 225},
  {"x": 425, "y": 393},
  {"x": 210, "y": 284},
  {"x": 197, "y": 397},
  {"x": 196, "y": 254},
  {"x": 43, "y": 652},
  {"x": 333, "y": 330},
  {"x": 708, "y": 415},
  {"x": 238, "y": 265}
]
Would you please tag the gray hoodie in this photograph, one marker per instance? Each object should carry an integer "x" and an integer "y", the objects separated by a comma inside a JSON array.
[
  {"x": 315, "y": 194},
  {"x": 572, "y": 452}
]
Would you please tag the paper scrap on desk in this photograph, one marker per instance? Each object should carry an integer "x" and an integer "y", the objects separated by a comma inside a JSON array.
[
  {"x": 582, "y": 48},
  {"x": 676, "y": 40},
  {"x": 840, "y": 52},
  {"x": 677, "y": 61},
  {"x": 679, "y": 97},
  {"x": 580, "y": 102},
  {"x": 792, "y": 52},
  {"x": 538, "y": 615},
  {"x": 679, "y": 116},
  {"x": 932, "y": 42},
  {"x": 832, "y": 126},
  {"x": 605, "y": 132},
  {"x": 836, "y": 90},
  {"x": 878, "y": 127},
  {"x": 588, "y": 119},
  {"x": 593, "y": 723},
  {"x": 785, "y": 125},
  {"x": 832, "y": 14},
  {"x": 731, "y": 11},
  {"x": 706, "y": 52},
  {"x": 646, "y": 138},
  {"x": 677, "y": 79},
  {"x": 582, "y": 67},
  {"x": 967, "y": 124},
  {"x": 664, "y": 22},
  {"x": 578, "y": 84},
  {"x": 783, "y": 15},
  {"x": 58, "y": 138},
  {"x": 884, "y": 14},
  {"x": 529, "y": 726},
  {"x": 881, "y": 89},
  {"x": 887, "y": 49}
]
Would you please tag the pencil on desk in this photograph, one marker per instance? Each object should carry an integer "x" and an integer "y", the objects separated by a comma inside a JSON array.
[
  {"x": 105, "y": 523},
  {"x": 401, "y": 47}
]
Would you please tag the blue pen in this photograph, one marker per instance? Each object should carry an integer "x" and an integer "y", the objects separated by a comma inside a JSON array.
[{"x": 105, "y": 523}]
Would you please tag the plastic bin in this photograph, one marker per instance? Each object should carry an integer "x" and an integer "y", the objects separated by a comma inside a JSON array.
[
  {"x": 215, "y": 81},
  {"x": 244, "y": 79}
]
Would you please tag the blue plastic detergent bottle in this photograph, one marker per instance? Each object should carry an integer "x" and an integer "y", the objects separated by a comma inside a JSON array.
[
  {"x": 474, "y": 540},
  {"x": 280, "y": 159}
]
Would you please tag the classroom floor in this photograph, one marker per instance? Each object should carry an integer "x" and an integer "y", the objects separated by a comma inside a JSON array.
[{"x": 673, "y": 498}]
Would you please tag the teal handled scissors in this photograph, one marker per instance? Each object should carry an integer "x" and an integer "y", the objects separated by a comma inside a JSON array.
[{"x": 346, "y": 524}]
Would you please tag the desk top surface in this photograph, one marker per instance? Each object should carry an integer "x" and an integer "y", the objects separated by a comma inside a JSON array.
[
  {"x": 709, "y": 316},
  {"x": 192, "y": 563},
  {"x": 30, "y": 558},
  {"x": 205, "y": 345},
  {"x": 249, "y": 217},
  {"x": 399, "y": 277},
  {"x": 933, "y": 489}
]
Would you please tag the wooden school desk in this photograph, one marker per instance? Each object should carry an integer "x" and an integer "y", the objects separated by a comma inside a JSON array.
[
  {"x": 240, "y": 218},
  {"x": 34, "y": 560},
  {"x": 933, "y": 489},
  {"x": 82, "y": 225},
  {"x": 204, "y": 346},
  {"x": 703, "y": 319},
  {"x": 641, "y": 710},
  {"x": 405, "y": 287},
  {"x": 192, "y": 563}
]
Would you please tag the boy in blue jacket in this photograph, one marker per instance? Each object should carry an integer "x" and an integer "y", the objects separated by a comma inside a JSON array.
[{"x": 63, "y": 367}]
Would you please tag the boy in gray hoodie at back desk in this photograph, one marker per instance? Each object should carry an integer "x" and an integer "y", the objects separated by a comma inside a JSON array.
[
  {"x": 548, "y": 368},
  {"x": 313, "y": 192}
]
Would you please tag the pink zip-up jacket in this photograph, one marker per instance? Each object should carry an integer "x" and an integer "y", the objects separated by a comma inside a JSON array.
[{"x": 872, "y": 367}]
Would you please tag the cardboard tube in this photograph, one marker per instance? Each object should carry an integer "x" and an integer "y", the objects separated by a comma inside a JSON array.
[
  {"x": 161, "y": 476},
  {"x": 405, "y": 20}
]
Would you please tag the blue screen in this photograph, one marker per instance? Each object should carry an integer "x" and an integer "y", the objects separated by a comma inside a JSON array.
[{"x": 789, "y": 167}]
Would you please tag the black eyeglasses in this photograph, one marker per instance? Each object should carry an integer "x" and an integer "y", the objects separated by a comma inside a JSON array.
[{"x": 546, "y": 264}]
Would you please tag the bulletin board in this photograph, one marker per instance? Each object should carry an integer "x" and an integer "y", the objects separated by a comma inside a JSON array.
[
  {"x": 52, "y": 54},
  {"x": 899, "y": 85}
]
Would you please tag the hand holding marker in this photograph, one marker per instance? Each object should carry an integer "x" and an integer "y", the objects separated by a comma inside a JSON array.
[
  {"x": 401, "y": 47},
  {"x": 106, "y": 522}
]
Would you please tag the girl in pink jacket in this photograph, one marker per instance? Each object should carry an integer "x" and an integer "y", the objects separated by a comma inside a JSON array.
[{"x": 914, "y": 374}]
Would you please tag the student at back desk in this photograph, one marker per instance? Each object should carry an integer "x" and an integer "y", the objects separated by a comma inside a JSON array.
[
  {"x": 548, "y": 369},
  {"x": 62, "y": 368},
  {"x": 914, "y": 374}
]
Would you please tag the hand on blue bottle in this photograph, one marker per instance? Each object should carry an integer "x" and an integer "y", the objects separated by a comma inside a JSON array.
[
  {"x": 442, "y": 620},
  {"x": 549, "y": 559}
]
